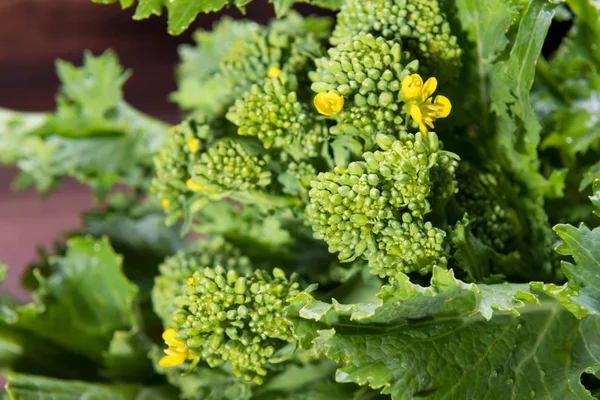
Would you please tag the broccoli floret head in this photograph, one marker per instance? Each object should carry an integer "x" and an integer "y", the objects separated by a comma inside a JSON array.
[
  {"x": 421, "y": 25},
  {"x": 175, "y": 270},
  {"x": 375, "y": 208},
  {"x": 194, "y": 167},
  {"x": 245, "y": 56},
  {"x": 174, "y": 162},
  {"x": 228, "y": 166},
  {"x": 272, "y": 112},
  {"x": 492, "y": 221},
  {"x": 229, "y": 317},
  {"x": 367, "y": 71}
]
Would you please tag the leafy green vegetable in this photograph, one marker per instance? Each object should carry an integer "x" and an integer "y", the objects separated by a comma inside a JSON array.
[
  {"x": 450, "y": 339},
  {"x": 183, "y": 12},
  {"x": 94, "y": 135},
  {"x": 359, "y": 211},
  {"x": 504, "y": 82},
  {"x": 566, "y": 94},
  {"x": 581, "y": 294},
  {"x": 83, "y": 300}
]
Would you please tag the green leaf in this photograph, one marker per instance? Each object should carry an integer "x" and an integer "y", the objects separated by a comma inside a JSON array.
[
  {"x": 14, "y": 138},
  {"x": 485, "y": 25},
  {"x": 569, "y": 86},
  {"x": 452, "y": 341},
  {"x": 98, "y": 86},
  {"x": 518, "y": 130},
  {"x": 283, "y": 6},
  {"x": 477, "y": 259},
  {"x": 503, "y": 68},
  {"x": 183, "y": 12},
  {"x": 93, "y": 135},
  {"x": 31, "y": 387},
  {"x": 147, "y": 8},
  {"x": 22, "y": 351},
  {"x": 138, "y": 233},
  {"x": 581, "y": 294},
  {"x": 127, "y": 357},
  {"x": 83, "y": 301},
  {"x": 200, "y": 61}
]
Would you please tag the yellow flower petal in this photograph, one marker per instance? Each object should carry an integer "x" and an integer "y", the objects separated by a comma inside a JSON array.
[
  {"x": 429, "y": 88},
  {"x": 273, "y": 72},
  {"x": 172, "y": 361},
  {"x": 420, "y": 105},
  {"x": 165, "y": 203},
  {"x": 175, "y": 351},
  {"x": 190, "y": 281},
  {"x": 415, "y": 113},
  {"x": 329, "y": 103},
  {"x": 194, "y": 145},
  {"x": 412, "y": 86},
  {"x": 443, "y": 107},
  {"x": 170, "y": 338},
  {"x": 194, "y": 186}
]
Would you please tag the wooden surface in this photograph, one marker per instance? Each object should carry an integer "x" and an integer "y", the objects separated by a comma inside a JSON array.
[{"x": 33, "y": 33}]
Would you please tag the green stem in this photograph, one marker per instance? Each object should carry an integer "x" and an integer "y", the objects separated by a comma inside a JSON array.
[{"x": 265, "y": 199}]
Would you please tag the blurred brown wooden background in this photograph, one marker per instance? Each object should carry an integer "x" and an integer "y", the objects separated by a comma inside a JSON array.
[{"x": 33, "y": 33}]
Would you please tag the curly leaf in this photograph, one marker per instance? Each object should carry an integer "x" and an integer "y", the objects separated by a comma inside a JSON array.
[
  {"x": 581, "y": 294},
  {"x": 82, "y": 301},
  {"x": 93, "y": 135},
  {"x": 200, "y": 61},
  {"x": 181, "y": 13},
  {"x": 452, "y": 341}
]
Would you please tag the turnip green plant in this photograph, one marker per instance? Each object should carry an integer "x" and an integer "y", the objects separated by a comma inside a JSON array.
[{"x": 400, "y": 201}]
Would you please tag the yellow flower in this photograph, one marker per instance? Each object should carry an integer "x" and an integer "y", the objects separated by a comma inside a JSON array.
[
  {"x": 273, "y": 72},
  {"x": 194, "y": 186},
  {"x": 165, "y": 203},
  {"x": 176, "y": 354},
  {"x": 190, "y": 281},
  {"x": 329, "y": 103},
  {"x": 194, "y": 145},
  {"x": 421, "y": 106}
]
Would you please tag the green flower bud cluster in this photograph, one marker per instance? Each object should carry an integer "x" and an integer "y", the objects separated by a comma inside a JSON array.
[
  {"x": 175, "y": 270},
  {"x": 491, "y": 222},
  {"x": 174, "y": 163},
  {"x": 228, "y": 166},
  {"x": 421, "y": 25},
  {"x": 444, "y": 175},
  {"x": 375, "y": 208},
  {"x": 190, "y": 172},
  {"x": 271, "y": 112},
  {"x": 287, "y": 45},
  {"x": 229, "y": 317},
  {"x": 368, "y": 71}
]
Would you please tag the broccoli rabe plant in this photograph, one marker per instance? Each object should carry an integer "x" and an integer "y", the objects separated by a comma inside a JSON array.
[{"x": 368, "y": 206}]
